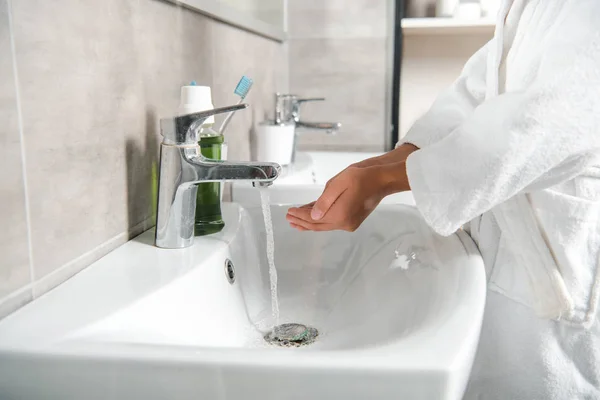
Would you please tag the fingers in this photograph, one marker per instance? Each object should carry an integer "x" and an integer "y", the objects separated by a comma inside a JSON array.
[
  {"x": 306, "y": 224},
  {"x": 302, "y": 213},
  {"x": 294, "y": 210},
  {"x": 298, "y": 227},
  {"x": 333, "y": 189},
  {"x": 303, "y": 225},
  {"x": 309, "y": 205},
  {"x": 330, "y": 195},
  {"x": 298, "y": 224}
]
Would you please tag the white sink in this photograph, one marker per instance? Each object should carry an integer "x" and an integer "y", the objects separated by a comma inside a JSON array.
[
  {"x": 304, "y": 181},
  {"x": 149, "y": 323}
]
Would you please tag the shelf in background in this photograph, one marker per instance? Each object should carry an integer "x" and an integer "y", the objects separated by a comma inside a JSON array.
[{"x": 446, "y": 26}]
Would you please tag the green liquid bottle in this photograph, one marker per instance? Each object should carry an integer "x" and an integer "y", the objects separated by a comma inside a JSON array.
[{"x": 208, "y": 200}]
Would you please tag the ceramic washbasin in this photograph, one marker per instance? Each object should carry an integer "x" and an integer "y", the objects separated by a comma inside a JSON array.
[{"x": 149, "y": 323}]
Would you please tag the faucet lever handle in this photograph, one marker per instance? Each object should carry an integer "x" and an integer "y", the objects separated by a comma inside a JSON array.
[
  {"x": 300, "y": 101},
  {"x": 287, "y": 107},
  {"x": 183, "y": 129}
]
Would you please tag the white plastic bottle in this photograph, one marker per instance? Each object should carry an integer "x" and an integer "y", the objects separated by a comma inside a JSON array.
[{"x": 196, "y": 98}]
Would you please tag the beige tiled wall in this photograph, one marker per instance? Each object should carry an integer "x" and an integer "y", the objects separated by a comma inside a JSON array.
[
  {"x": 92, "y": 79},
  {"x": 338, "y": 50}
]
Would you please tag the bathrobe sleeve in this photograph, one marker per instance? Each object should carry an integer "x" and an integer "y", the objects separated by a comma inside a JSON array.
[
  {"x": 453, "y": 105},
  {"x": 514, "y": 143}
]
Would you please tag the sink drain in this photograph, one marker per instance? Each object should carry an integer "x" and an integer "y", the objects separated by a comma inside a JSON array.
[
  {"x": 292, "y": 335},
  {"x": 229, "y": 271}
]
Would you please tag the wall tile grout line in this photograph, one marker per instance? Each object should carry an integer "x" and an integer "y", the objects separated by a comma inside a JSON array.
[
  {"x": 19, "y": 298},
  {"x": 103, "y": 248},
  {"x": 83, "y": 261},
  {"x": 22, "y": 140}
]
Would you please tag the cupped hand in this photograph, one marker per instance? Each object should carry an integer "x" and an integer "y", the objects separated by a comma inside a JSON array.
[
  {"x": 348, "y": 199},
  {"x": 353, "y": 194}
]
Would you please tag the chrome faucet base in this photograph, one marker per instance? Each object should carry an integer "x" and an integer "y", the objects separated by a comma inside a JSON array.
[{"x": 182, "y": 167}]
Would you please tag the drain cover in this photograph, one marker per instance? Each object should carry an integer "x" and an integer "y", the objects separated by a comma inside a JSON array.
[{"x": 291, "y": 335}]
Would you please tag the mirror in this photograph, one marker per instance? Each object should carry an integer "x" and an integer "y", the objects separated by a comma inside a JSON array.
[{"x": 264, "y": 17}]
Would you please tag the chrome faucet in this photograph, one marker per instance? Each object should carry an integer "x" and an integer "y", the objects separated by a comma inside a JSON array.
[
  {"x": 287, "y": 110},
  {"x": 182, "y": 167}
]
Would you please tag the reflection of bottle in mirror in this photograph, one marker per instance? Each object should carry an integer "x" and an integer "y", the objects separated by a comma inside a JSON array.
[{"x": 208, "y": 218}]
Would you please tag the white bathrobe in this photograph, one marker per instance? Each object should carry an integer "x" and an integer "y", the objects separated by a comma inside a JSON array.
[{"x": 511, "y": 152}]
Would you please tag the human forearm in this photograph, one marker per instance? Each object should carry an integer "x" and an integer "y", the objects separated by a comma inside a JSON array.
[
  {"x": 397, "y": 155},
  {"x": 391, "y": 173},
  {"x": 392, "y": 178}
]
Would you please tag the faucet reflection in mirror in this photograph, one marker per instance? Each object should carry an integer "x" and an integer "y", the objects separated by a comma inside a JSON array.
[
  {"x": 182, "y": 167},
  {"x": 287, "y": 111}
]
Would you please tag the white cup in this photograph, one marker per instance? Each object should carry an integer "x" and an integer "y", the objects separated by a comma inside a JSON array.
[{"x": 274, "y": 143}]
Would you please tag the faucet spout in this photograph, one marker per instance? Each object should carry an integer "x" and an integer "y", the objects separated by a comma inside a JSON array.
[{"x": 221, "y": 171}]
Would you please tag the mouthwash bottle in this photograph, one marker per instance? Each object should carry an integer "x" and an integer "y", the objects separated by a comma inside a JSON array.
[
  {"x": 208, "y": 218},
  {"x": 208, "y": 199}
]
